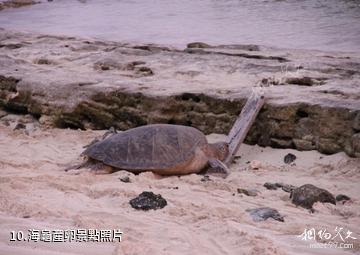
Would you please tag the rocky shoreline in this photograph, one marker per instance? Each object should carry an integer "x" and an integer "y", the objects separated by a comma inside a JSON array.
[
  {"x": 313, "y": 97},
  {"x": 16, "y": 3}
]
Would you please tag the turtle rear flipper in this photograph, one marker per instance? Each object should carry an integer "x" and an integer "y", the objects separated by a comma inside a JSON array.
[
  {"x": 95, "y": 167},
  {"x": 78, "y": 166}
]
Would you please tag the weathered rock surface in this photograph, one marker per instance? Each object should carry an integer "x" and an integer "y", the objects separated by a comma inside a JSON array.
[
  {"x": 313, "y": 97},
  {"x": 16, "y": 3}
]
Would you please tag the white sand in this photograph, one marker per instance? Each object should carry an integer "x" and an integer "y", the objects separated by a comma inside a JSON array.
[{"x": 200, "y": 218}]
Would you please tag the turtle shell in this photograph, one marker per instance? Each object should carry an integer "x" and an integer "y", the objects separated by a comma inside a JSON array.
[{"x": 158, "y": 146}]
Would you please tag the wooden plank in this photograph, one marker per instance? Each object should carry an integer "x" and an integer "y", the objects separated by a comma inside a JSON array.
[{"x": 243, "y": 123}]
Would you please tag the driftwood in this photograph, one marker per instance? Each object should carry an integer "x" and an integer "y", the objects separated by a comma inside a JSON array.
[{"x": 243, "y": 123}]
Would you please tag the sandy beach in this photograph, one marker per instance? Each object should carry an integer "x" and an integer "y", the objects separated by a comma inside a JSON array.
[{"x": 201, "y": 216}]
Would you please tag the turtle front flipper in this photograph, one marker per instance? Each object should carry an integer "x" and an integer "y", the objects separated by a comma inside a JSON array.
[
  {"x": 217, "y": 168},
  {"x": 101, "y": 168}
]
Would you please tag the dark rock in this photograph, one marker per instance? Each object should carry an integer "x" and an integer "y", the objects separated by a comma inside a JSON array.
[
  {"x": 342, "y": 197},
  {"x": 271, "y": 186},
  {"x": 133, "y": 64},
  {"x": 43, "y": 61},
  {"x": 125, "y": 179},
  {"x": 304, "y": 81},
  {"x": 248, "y": 192},
  {"x": 11, "y": 46},
  {"x": 148, "y": 200},
  {"x": 236, "y": 158},
  {"x": 198, "y": 45},
  {"x": 104, "y": 67},
  {"x": 263, "y": 213},
  {"x": 144, "y": 71},
  {"x": 289, "y": 158},
  {"x": 206, "y": 178},
  {"x": 308, "y": 194},
  {"x": 20, "y": 126},
  {"x": 301, "y": 113},
  {"x": 283, "y": 186}
]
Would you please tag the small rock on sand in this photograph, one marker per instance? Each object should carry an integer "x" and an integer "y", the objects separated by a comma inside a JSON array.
[
  {"x": 148, "y": 200},
  {"x": 289, "y": 158},
  {"x": 263, "y": 213},
  {"x": 270, "y": 186},
  {"x": 283, "y": 186},
  {"x": 206, "y": 178},
  {"x": 248, "y": 192},
  {"x": 342, "y": 197},
  {"x": 308, "y": 194},
  {"x": 125, "y": 179}
]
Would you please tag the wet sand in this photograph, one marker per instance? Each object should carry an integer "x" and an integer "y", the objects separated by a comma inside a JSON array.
[{"x": 200, "y": 218}]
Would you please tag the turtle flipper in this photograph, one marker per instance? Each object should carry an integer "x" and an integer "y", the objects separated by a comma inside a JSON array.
[
  {"x": 95, "y": 167},
  {"x": 217, "y": 168},
  {"x": 86, "y": 163},
  {"x": 100, "y": 168}
]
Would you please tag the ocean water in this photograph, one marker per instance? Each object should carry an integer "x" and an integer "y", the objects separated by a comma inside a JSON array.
[{"x": 306, "y": 24}]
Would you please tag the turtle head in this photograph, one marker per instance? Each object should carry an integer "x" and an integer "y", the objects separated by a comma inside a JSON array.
[{"x": 219, "y": 150}]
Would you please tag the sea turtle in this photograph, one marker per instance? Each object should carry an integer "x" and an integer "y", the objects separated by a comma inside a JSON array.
[{"x": 161, "y": 148}]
